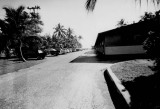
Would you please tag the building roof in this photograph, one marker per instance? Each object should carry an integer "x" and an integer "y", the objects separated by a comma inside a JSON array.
[{"x": 137, "y": 28}]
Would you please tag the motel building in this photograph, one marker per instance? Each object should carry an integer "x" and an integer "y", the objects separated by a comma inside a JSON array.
[{"x": 123, "y": 40}]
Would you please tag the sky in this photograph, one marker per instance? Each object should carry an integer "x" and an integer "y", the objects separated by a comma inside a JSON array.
[{"x": 72, "y": 13}]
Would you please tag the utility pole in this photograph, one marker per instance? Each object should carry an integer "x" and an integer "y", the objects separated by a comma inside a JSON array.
[{"x": 33, "y": 10}]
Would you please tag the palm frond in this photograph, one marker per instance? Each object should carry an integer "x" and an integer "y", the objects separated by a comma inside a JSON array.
[
  {"x": 20, "y": 9},
  {"x": 10, "y": 12},
  {"x": 155, "y": 2},
  {"x": 90, "y": 5}
]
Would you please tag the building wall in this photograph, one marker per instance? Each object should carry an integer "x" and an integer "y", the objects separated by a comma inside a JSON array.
[
  {"x": 101, "y": 47},
  {"x": 114, "y": 50},
  {"x": 112, "y": 40}
]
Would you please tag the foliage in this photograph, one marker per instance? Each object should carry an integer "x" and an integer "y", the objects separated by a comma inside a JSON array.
[
  {"x": 121, "y": 23},
  {"x": 47, "y": 41},
  {"x": 32, "y": 42},
  {"x": 61, "y": 38},
  {"x": 17, "y": 25},
  {"x": 152, "y": 43},
  {"x": 65, "y": 38},
  {"x": 147, "y": 16},
  {"x": 90, "y": 4}
]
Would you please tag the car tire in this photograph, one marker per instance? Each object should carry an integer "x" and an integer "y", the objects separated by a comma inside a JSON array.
[{"x": 39, "y": 58}]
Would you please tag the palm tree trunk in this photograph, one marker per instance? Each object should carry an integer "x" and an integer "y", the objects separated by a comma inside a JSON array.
[
  {"x": 7, "y": 52},
  {"x": 20, "y": 52}
]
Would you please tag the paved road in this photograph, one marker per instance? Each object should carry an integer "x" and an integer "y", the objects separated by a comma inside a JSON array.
[{"x": 57, "y": 84}]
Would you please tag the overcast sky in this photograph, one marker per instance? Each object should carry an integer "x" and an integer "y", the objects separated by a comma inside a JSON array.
[{"x": 72, "y": 13}]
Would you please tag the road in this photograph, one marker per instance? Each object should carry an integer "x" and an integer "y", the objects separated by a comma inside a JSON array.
[{"x": 58, "y": 83}]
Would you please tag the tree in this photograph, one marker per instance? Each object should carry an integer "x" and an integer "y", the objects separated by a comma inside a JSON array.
[
  {"x": 60, "y": 33},
  {"x": 14, "y": 26},
  {"x": 17, "y": 25},
  {"x": 152, "y": 43},
  {"x": 147, "y": 16},
  {"x": 55, "y": 42},
  {"x": 32, "y": 42},
  {"x": 69, "y": 38},
  {"x": 65, "y": 38},
  {"x": 34, "y": 26},
  {"x": 121, "y": 23}
]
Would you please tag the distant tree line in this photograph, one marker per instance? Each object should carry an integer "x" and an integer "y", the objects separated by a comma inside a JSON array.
[{"x": 61, "y": 38}]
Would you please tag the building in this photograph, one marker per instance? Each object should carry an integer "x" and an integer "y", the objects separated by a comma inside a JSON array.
[{"x": 124, "y": 40}]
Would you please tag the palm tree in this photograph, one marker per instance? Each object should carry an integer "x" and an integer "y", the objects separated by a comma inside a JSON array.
[
  {"x": 34, "y": 24},
  {"x": 90, "y": 4},
  {"x": 69, "y": 38},
  {"x": 69, "y": 32},
  {"x": 17, "y": 25},
  {"x": 15, "y": 22},
  {"x": 60, "y": 33}
]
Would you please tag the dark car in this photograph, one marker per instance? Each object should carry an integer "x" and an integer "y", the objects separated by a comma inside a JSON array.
[
  {"x": 53, "y": 51},
  {"x": 38, "y": 54}
]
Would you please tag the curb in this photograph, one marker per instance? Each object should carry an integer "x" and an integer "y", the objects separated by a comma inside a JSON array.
[{"x": 119, "y": 94}]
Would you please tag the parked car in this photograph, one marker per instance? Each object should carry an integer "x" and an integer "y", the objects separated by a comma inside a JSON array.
[
  {"x": 62, "y": 51},
  {"x": 73, "y": 49},
  {"x": 53, "y": 51},
  {"x": 38, "y": 54}
]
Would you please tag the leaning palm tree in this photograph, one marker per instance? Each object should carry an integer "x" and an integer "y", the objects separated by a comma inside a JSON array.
[
  {"x": 15, "y": 22},
  {"x": 90, "y": 4}
]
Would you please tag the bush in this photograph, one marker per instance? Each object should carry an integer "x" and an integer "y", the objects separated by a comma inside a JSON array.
[{"x": 152, "y": 47}]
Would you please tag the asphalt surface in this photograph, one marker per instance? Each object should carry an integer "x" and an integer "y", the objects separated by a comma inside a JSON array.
[{"x": 58, "y": 83}]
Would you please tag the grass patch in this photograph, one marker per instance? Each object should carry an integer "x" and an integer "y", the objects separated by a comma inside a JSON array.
[
  {"x": 142, "y": 83},
  {"x": 12, "y": 65}
]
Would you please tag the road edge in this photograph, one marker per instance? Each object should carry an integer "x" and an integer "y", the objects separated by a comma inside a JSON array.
[{"x": 119, "y": 94}]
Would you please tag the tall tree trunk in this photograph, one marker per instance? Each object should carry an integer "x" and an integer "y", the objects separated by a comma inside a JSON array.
[{"x": 20, "y": 52}]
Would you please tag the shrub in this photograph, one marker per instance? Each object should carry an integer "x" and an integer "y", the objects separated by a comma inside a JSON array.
[{"x": 152, "y": 47}]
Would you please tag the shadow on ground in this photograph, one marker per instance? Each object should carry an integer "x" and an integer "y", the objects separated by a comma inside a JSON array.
[
  {"x": 144, "y": 91},
  {"x": 117, "y": 98},
  {"x": 107, "y": 59}
]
